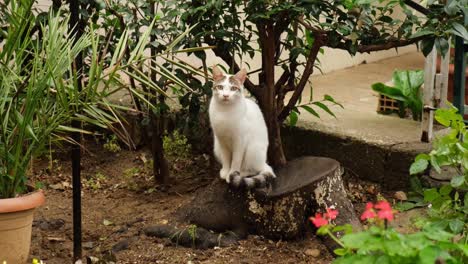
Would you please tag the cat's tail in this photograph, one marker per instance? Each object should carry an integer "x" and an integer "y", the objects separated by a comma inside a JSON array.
[{"x": 257, "y": 181}]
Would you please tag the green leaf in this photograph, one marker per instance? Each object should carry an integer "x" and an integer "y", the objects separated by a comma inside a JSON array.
[
  {"x": 460, "y": 30},
  {"x": 416, "y": 185},
  {"x": 457, "y": 181},
  {"x": 423, "y": 32},
  {"x": 427, "y": 45},
  {"x": 448, "y": 117},
  {"x": 310, "y": 110},
  {"x": 456, "y": 225},
  {"x": 422, "y": 156},
  {"x": 431, "y": 194},
  {"x": 347, "y": 228},
  {"x": 429, "y": 254},
  {"x": 442, "y": 45},
  {"x": 340, "y": 251},
  {"x": 357, "y": 240},
  {"x": 408, "y": 82},
  {"x": 331, "y": 99},
  {"x": 405, "y": 206},
  {"x": 325, "y": 108},
  {"x": 389, "y": 91},
  {"x": 293, "y": 117},
  {"x": 445, "y": 190},
  {"x": 323, "y": 230},
  {"x": 418, "y": 166}
]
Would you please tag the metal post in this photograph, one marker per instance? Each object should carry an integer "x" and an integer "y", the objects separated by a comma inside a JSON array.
[
  {"x": 77, "y": 28},
  {"x": 459, "y": 73},
  {"x": 459, "y": 76}
]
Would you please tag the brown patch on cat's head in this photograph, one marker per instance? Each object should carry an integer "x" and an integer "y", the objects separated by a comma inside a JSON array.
[{"x": 234, "y": 81}]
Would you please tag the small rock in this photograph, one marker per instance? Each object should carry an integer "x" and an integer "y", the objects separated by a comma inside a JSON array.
[
  {"x": 121, "y": 245},
  {"x": 88, "y": 245},
  {"x": 400, "y": 196},
  {"x": 107, "y": 222},
  {"x": 66, "y": 185},
  {"x": 56, "y": 239},
  {"x": 91, "y": 260},
  {"x": 446, "y": 173},
  {"x": 123, "y": 229},
  {"x": 312, "y": 252},
  {"x": 371, "y": 189},
  {"x": 57, "y": 186}
]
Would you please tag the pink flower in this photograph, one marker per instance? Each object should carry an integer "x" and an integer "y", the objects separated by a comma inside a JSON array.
[
  {"x": 383, "y": 205},
  {"x": 369, "y": 213},
  {"x": 385, "y": 212},
  {"x": 331, "y": 214},
  {"x": 318, "y": 221}
]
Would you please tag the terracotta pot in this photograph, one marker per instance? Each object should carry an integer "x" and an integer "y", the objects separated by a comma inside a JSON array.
[{"x": 16, "y": 216}]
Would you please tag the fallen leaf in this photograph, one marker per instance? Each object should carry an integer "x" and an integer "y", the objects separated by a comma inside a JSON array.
[
  {"x": 107, "y": 222},
  {"x": 400, "y": 196},
  {"x": 56, "y": 239},
  {"x": 57, "y": 186},
  {"x": 312, "y": 252}
]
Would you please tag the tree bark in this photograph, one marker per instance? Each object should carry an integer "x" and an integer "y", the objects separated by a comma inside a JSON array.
[
  {"x": 266, "y": 99},
  {"x": 160, "y": 164},
  {"x": 304, "y": 186}
]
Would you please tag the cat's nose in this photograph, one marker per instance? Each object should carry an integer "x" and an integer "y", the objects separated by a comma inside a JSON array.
[{"x": 225, "y": 96}]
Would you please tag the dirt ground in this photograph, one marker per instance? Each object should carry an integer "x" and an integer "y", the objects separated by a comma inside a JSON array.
[{"x": 120, "y": 199}]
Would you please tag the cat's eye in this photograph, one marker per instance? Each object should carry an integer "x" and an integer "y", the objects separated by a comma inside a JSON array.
[
  {"x": 218, "y": 87},
  {"x": 234, "y": 88}
]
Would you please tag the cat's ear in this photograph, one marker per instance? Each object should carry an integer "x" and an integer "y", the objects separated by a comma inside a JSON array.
[
  {"x": 241, "y": 75},
  {"x": 218, "y": 75}
]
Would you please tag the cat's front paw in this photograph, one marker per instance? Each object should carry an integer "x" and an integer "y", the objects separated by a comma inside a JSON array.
[
  {"x": 234, "y": 178},
  {"x": 223, "y": 174}
]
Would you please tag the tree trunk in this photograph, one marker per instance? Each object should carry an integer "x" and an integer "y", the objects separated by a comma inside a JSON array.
[
  {"x": 267, "y": 96},
  {"x": 160, "y": 164},
  {"x": 304, "y": 186}
]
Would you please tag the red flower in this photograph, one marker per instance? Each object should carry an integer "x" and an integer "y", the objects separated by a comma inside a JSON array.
[
  {"x": 385, "y": 214},
  {"x": 386, "y": 211},
  {"x": 368, "y": 214},
  {"x": 331, "y": 214},
  {"x": 383, "y": 205},
  {"x": 318, "y": 221}
]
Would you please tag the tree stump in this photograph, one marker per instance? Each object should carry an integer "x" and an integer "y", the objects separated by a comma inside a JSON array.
[{"x": 281, "y": 211}]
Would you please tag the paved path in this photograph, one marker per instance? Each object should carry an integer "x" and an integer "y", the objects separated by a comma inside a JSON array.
[{"x": 359, "y": 119}]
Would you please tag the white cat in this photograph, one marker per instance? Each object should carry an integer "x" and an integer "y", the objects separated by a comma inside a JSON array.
[{"x": 240, "y": 133}]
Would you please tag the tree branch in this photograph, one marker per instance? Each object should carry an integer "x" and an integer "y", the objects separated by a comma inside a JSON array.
[
  {"x": 308, "y": 70},
  {"x": 282, "y": 80},
  {"x": 417, "y": 7},
  {"x": 376, "y": 47}
]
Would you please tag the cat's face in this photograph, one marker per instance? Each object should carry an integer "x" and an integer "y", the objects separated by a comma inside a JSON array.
[{"x": 228, "y": 89}]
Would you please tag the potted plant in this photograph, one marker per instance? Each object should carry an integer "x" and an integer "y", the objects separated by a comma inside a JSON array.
[
  {"x": 35, "y": 101},
  {"x": 38, "y": 100},
  {"x": 405, "y": 90}
]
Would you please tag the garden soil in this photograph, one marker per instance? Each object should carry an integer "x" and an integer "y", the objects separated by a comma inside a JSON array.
[{"x": 120, "y": 199}]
